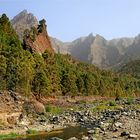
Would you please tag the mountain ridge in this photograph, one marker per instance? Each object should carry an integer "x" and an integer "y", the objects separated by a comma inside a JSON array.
[{"x": 91, "y": 49}]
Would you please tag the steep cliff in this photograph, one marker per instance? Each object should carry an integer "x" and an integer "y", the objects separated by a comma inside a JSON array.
[{"x": 37, "y": 39}]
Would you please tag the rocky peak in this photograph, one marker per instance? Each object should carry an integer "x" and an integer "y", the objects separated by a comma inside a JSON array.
[
  {"x": 99, "y": 41},
  {"x": 19, "y": 16},
  {"x": 24, "y": 17},
  {"x": 22, "y": 21},
  {"x": 90, "y": 36},
  {"x": 23, "y": 12}
]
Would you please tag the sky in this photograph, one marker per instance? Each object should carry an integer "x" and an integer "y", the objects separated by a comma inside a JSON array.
[{"x": 70, "y": 19}]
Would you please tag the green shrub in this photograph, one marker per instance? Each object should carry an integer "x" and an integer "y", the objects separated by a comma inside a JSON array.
[
  {"x": 31, "y": 131},
  {"x": 53, "y": 109},
  {"x": 130, "y": 100},
  {"x": 99, "y": 108},
  {"x": 7, "y": 136},
  {"x": 112, "y": 103}
]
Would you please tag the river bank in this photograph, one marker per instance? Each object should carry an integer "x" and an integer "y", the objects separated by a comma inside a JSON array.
[{"x": 110, "y": 119}]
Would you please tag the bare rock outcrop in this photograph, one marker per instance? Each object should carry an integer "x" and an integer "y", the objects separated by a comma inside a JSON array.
[{"x": 22, "y": 21}]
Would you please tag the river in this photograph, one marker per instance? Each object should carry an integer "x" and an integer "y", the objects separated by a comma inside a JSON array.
[{"x": 64, "y": 134}]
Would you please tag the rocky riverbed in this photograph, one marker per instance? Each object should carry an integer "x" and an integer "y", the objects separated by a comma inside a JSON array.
[{"x": 104, "y": 120}]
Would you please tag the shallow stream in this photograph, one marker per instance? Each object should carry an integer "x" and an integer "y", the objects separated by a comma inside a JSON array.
[{"x": 64, "y": 134}]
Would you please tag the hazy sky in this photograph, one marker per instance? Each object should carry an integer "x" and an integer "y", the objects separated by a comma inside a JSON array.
[{"x": 69, "y": 19}]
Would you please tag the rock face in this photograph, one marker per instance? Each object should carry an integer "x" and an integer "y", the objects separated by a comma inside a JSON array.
[
  {"x": 25, "y": 20},
  {"x": 10, "y": 101},
  {"x": 107, "y": 53},
  {"x": 40, "y": 44},
  {"x": 99, "y": 51},
  {"x": 132, "y": 52},
  {"x": 96, "y": 49},
  {"x": 22, "y": 21},
  {"x": 59, "y": 46},
  {"x": 79, "y": 48}
]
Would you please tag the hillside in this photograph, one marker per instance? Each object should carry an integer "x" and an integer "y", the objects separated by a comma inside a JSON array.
[
  {"x": 28, "y": 71},
  {"x": 131, "y": 68}
]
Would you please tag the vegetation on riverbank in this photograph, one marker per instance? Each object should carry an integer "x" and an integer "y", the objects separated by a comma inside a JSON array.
[
  {"x": 53, "y": 109},
  {"x": 7, "y": 136}
]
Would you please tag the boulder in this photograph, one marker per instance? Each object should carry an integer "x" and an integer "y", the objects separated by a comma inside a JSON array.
[
  {"x": 12, "y": 120},
  {"x": 34, "y": 107}
]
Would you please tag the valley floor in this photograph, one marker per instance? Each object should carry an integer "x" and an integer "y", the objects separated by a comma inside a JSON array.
[{"x": 105, "y": 119}]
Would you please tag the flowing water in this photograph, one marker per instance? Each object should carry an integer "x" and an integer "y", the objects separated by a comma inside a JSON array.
[{"x": 64, "y": 134}]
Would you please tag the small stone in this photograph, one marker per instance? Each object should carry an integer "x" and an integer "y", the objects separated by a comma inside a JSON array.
[
  {"x": 91, "y": 132},
  {"x": 125, "y": 133},
  {"x": 118, "y": 124},
  {"x": 55, "y": 138},
  {"x": 125, "y": 113},
  {"x": 97, "y": 130},
  {"x": 132, "y": 136},
  {"x": 73, "y": 138},
  {"x": 92, "y": 138},
  {"x": 71, "y": 109},
  {"x": 85, "y": 138},
  {"x": 115, "y": 136},
  {"x": 115, "y": 129},
  {"x": 81, "y": 120},
  {"x": 104, "y": 126}
]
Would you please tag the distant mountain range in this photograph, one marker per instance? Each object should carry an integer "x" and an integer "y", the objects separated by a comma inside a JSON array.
[{"x": 91, "y": 49}]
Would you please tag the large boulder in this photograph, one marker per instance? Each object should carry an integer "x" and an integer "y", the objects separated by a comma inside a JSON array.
[
  {"x": 12, "y": 120},
  {"x": 34, "y": 107}
]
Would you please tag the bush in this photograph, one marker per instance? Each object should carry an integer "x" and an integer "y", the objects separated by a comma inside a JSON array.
[
  {"x": 8, "y": 136},
  {"x": 112, "y": 103},
  {"x": 130, "y": 100},
  {"x": 53, "y": 109},
  {"x": 31, "y": 131}
]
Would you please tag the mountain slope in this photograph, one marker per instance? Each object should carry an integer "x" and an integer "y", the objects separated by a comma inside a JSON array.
[
  {"x": 29, "y": 72},
  {"x": 91, "y": 49},
  {"x": 131, "y": 68},
  {"x": 96, "y": 50},
  {"x": 59, "y": 46}
]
